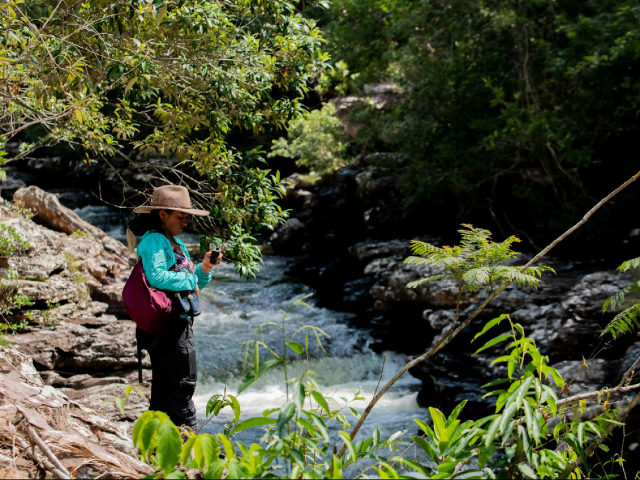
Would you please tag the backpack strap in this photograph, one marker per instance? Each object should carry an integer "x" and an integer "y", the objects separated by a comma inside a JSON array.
[{"x": 139, "y": 363}]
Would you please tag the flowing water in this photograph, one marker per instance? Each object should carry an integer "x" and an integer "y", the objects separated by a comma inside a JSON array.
[{"x": 234, "y": 307}]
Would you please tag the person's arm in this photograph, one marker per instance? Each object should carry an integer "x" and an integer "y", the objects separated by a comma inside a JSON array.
[{"x": 154, "y": 263}]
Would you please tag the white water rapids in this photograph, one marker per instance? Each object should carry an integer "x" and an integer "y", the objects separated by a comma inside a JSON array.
[{"x": 234, "y": 307}]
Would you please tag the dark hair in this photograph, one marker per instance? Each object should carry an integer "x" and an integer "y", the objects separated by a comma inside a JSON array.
[{"x": 143, "y": 222}]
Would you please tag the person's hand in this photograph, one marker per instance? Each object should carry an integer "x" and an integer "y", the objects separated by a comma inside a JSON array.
[
  {"x": 208, "y": 263},
  {"x": 197, "y": 291}
]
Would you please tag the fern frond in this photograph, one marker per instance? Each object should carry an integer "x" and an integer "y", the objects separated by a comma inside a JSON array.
[
  {"x": 423, "y": 248},
  {"x": 477, "y": 276},
  {"x": 417, "y": 283},
  {"x": 618, "y": 298},
  {"x": 629, "y": 264},
  {"x": 624, "y": 322}
]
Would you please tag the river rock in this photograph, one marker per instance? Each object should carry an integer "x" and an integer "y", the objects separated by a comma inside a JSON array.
[
  {"x": 72, "y": 347},
  {"x": 586, "y": 376},
  {"x": 370, "y": 250},
  {"x": 84, "y": 442},
  {"x": 288, "y": 236},
  {"x": 392, "y": 287}
]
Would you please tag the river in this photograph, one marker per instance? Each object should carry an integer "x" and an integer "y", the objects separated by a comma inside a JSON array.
[{"x": 234, "y": 307}]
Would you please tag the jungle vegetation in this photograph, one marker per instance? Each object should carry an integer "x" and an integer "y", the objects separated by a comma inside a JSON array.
[{"x": 509, "y": 110}]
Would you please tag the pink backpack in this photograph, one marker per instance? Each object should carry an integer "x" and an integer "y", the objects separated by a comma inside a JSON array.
[{"x": 149, "y": 308}]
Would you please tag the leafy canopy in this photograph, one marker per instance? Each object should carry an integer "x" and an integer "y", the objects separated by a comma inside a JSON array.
[
  {"x": 167, "y": 79},
  {"x": 510, "y": 108}
]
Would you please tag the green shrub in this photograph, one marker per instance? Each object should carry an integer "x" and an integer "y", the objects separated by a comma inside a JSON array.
[{"x": 314, "y": 141}]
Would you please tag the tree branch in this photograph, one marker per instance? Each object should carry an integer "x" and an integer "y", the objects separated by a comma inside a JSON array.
[{"x": 592, "y": 448}]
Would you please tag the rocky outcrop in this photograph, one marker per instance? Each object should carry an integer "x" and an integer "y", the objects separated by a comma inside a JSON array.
[
  {"x": 81, "y": 443},
  {"x": 74, "y": 281},
  {"x": 49, "y": 211},
  {"x": 288, "y": 236},
  {"x": 63, "y": 271}
]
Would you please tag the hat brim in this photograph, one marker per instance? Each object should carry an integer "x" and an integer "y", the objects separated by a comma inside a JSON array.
[{"x": 192, "y": 211}]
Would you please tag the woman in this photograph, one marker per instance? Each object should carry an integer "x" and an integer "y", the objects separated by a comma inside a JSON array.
[{"x": 167, "y": 266}]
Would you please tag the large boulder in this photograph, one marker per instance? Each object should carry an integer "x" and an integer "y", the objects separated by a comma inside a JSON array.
[
  {"x": 83, "y": 344},
  {"x": 49, "y": 211},
  {"x": 288, "y": 237}
]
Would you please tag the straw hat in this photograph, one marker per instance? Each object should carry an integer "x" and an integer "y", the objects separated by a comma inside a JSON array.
[{"x": 171, "y": 197}]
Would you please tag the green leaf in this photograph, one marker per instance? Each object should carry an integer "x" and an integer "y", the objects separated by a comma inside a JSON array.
[
  {"x": 438, "y": 421},
  {"x": 305, "y": 424},
  {"x": 235, "y": 469},
  {"x": 206, "y": 451},
  {"x": 130, "y": 84},
  {"x": 426, "y": 446},
  {"x": 320, "y": 400},
  {"x": 581, "y": 428},
  {"x": 354, "y": 412},
  {"x": 522, "y": 391},
  {"x": 169, "y": 446},
  {"x": 137, "y": 428},
  {"x": 216, "y": 469},
  {"x": 253, "y": 422},
  {"x": 336, "y": 467},
  {"x": 235, "y": 405},
  {"x": 211, "y": 404},
  {"x": 455, "y": 413},
  {"x": 507, "y": 415},
  {"x": 322, "y": 428},
  {"x": 492, "y": 431},
  {"x": 494, "y": 341},
  {"x": 298, "y": 395},
  {"x": 186, "y": 451},
  {"x": 377, "y": 436},
  {"x": 532, "y": 422},
  {"x": 287, "y": 411},
  {"x": 490, "y": 325},
  {"x": 176, "y": 474},
  {"x": 296, "y": 347},
  {"x": 557, "y": 378},
  {"x": 228, "y": 446},
  {"x": 493, "y": 383},
  {"x": 251, "y": 377},
  {"x": 426, "y": 429},
  {"x": 352, "y": 450},
  {"x": 527, "y": 471},
  {"x": 148, "y": 437}
]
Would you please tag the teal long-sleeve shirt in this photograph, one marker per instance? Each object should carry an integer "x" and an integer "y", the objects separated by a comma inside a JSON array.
[{"x": 158, "y": 257}]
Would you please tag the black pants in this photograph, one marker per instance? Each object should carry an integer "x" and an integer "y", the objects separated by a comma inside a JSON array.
[{"x": 173, "y": 370}]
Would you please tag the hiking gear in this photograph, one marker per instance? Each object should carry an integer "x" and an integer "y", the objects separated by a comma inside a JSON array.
[
  {"x": 149, "y": 308},
  {"x": 158, "y": 256},
  {"x": 186, "y": 303},
  {"x": 171, "y": 197}
]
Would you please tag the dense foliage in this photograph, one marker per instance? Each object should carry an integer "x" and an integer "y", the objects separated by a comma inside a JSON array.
[
  {"x": 314, "y": 141},
  {"x": 136, "y": 79},
  {"x": 510, "y": 108}
]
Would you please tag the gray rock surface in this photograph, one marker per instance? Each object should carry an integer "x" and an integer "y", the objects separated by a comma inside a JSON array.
[{"x": 288, "y": 236}]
